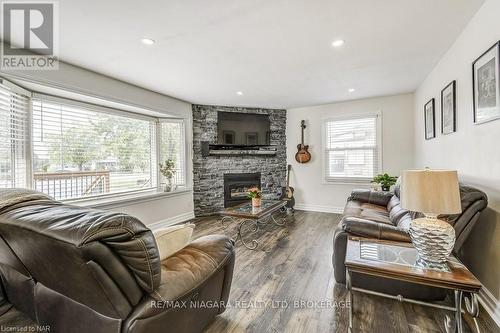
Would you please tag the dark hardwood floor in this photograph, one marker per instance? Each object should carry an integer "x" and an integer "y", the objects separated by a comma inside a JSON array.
[{"x": 293, "y": 264}]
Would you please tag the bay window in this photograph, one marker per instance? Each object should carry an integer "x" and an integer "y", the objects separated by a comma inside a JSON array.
[{"x": 70, "y": 150}]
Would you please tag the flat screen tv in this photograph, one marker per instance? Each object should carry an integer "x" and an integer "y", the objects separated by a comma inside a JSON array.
[{"x": 243, "y": 129}]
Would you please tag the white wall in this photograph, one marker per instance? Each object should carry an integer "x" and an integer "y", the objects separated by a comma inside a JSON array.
[
  {"x": 177, "y": 207},
  {"x": 473, "y": 149},
  {"x": 78, "y": 80},
  {"x": 397, "y": 147}
]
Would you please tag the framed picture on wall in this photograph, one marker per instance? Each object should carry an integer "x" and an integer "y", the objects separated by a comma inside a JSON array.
[
  {"x": 430, "y": 120},
  {"x": 485, "y": 78},
  {"x": 449, "y": 109}
]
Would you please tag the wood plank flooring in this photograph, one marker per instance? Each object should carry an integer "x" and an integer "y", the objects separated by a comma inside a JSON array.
[{"x": 293, "y": 265}]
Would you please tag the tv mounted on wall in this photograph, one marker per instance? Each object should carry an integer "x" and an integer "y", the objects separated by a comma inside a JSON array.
[{"x": 243, "y": 129}]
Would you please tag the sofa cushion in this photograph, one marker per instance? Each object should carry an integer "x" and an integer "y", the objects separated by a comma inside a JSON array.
[
  {"x": 374, "y": 208},
  {"x": 468, "y": 196},
  {"x": 367, "y": 211},
  {"x": 379, "y": 198},
  {"x": 375, "y": 215},
  {"x": 352, "y": 208},
  {"x": 399, "y": 216},
  {"x": 397, "y": 188},
  {"x": 188, "y": 268},
  {"x": 172, "y": 239},
  {"x": 369, "y": 228},
  {"x": 393, "y": 203}
]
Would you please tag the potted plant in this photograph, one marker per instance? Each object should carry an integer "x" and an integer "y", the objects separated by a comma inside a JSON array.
[
  {"x": 256, "y": 195},
  {"x": 168, "y": 171},
  {"x": 385, "y": 181}
]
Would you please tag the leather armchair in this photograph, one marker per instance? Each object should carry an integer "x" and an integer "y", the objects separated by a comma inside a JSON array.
[
  {"x": 82, "y": 270},
  {"x": 379, "y": 215}
]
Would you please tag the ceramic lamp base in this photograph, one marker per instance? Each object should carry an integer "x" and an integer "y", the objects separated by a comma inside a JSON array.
[{"x": 434, "y": 240}]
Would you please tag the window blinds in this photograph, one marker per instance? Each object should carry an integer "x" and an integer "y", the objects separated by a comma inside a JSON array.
[
  {"x": 173, "y": 147},
  {"x": 14, "y": 134},
  {"x": 79, "y": 152},
  {"x": 352, "y": 152}
]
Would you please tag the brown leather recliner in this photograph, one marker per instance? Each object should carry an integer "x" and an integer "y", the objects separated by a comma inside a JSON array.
[
  {"x": 379, "y": 215},
  {"x": 82, "y": 270}
]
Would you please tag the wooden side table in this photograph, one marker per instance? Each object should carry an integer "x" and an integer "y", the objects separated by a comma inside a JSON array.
[{"x": 394, "y": 260}]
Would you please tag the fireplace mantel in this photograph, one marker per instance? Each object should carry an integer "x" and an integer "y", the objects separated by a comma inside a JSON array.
[{"x": 241, "y": 152}]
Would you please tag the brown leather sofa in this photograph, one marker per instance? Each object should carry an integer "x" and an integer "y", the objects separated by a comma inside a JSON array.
[
  {"x": 75, "y": 269},
  {"x": 379, "y": 215}
]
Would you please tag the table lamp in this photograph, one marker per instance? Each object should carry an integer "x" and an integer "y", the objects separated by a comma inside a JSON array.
[{"x": 431, "y": 192}]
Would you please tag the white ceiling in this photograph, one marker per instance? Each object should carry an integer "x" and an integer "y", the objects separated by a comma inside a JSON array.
[{"x": 277, "y": 52}]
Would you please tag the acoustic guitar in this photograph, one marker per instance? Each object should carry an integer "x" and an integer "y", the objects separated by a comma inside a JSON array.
[
  {"x": 302, "y": 155},
  {"x": 287, "y": 191}
]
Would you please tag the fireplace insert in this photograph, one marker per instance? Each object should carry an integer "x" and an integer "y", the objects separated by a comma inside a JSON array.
[{"x": 236, "y": 186}]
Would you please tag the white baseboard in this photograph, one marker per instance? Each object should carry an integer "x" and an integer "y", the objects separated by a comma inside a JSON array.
[
  {"x": 172, "y": 220},
  {"x": 490, "y": 304},
  {"x": 319, "y": 208}
]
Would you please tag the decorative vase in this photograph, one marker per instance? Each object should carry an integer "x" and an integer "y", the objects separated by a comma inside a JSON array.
[
  {"x": 256, "y": 202},
  {"x": 433, "y": 239},
  {"x": 168, "y": 186}
]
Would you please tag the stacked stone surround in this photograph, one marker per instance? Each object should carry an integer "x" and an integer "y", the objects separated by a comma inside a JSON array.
[{"x": 208, "y": 181}]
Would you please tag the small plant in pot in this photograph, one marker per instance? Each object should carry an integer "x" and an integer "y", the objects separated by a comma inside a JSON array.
[
  {"x": 385, "y": 181},
  {"x": 256, "y": 195},
  {"x": 168, "y": 171}
]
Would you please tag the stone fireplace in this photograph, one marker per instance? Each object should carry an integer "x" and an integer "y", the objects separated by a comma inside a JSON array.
[
  {"x": 210, "y": 172},
  {"x": 236, "y": 186}
]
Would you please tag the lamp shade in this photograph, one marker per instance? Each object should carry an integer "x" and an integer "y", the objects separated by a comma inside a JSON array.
[{"x": 430, "y": 191}]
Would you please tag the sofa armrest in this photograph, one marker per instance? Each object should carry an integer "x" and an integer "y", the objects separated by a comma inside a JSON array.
[
  {"x": 193, "y": 265},
  {"x": 339, "y": 252},
  {"x": 200, "y": 273},
  {"x": 371, "y": 229},
  {"x": 373, "y": 197}
]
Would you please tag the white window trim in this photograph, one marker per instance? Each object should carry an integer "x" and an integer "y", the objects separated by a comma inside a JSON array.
[
  {"x": 112, "y": 199},
  {"x": 352, "y": 116}
]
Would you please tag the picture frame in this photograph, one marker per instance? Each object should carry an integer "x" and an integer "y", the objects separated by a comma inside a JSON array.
[
  {"x": 430, "y": 119},
  {"x": 449, "y": 108},
  {"x": 486, "y": 85}
]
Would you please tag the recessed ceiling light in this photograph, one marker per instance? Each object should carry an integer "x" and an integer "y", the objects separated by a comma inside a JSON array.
[
  {"x": 338, "y": 43},
  {"x": 147, "y": 41},
  {"x": 239, "y": 93},
  {"x": 351, "y": 90}
]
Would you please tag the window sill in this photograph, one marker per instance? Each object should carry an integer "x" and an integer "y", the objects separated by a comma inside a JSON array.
[
  {"x": 348, "y": 182},
  {"x": 121, "y": 200}
]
